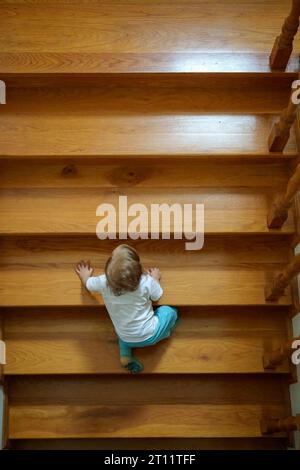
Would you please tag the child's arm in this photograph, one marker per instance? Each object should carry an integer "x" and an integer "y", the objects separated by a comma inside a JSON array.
[
  {"x": 156, "y": 290},
  {"x": 84, "y": 271}
]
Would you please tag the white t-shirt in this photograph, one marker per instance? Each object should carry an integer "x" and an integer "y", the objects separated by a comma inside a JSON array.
[{"x": 131, "y": 313}]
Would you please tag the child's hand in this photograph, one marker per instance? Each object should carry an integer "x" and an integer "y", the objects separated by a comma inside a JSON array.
[
  {"x": 84, "y": 271},
  {"x": 155, "y": 273}
]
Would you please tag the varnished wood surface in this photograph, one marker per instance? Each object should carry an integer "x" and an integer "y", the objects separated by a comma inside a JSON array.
[
  {"x": 66, "y": 212},
  {"x": 141, "y": 26},
  {"x": 164, "y": 101},
  {"x": 279, "y": 209},
  {"x": 122, "y": 122},
  {"x": 87, "y": 173},
  {"x": 215, "y": 275},
  {"x": 206, "y": 389},
  {"x": 206, "y": 341},
  {"x": 150, "y": 444},
  {"x": 96, "y": 408},
  {"x": 131, "y": 420},
  {"x": 283, "y": 45},
  {"x": 188, "y": 68},
  {"x": 260, "y": 95},
  {"x": 249, "y": 252},
  {"x": 281, "y": 130},
  {"x": 58, "y": 286},
  {"x": 61, "y": 197},
  {"x": 275, "y": 287}
]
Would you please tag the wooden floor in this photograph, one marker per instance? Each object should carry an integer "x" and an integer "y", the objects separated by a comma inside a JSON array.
[{"x": 161, "y": 101}]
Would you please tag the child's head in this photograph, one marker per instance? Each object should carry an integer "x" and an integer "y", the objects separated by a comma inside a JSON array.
[{"x": 123, "y": 270}]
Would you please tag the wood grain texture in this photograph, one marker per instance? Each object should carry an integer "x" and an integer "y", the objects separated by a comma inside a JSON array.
[
  {"x": 141, "y": 26},
  {"x": 276, "y": 357},
  {"x": 279, "y": 209},
  {"x": 121, "y": 122},
  {"x": 95, "y": 408},
  {"x": 249, "y": 252},
  {"x": 180, "y": 68},
  {"x": 276, "y": 286},
  {"x": 280, "y": 132},
  {"x": 51, "y": 197},
  {"x": 283, "y": 45},
  {"x": 49, "y": 263},
  {"x": 59, "y": 287},
  {"x": 130, "y": 420},
  {"x": 164, "y": 82},
  {"x": 73, "y": 211},
  {"x": 86, "y": 173},
  {"x": 83, "y": 342},
  {"x": 151, "y": 444},
  {"x": 206, "y": 389}
]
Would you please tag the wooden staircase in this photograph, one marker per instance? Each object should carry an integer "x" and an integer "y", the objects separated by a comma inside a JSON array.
[{"x": 167, "y": 102}]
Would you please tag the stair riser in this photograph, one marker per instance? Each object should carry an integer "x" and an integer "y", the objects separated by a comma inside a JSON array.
[{"x": 166, "y": 79}]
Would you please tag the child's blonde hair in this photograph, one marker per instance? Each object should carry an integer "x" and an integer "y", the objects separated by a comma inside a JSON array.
[{"x": 123, "y": 270}]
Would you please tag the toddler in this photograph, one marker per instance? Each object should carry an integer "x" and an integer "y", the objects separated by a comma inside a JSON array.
[{"x": 128, "y": 293}]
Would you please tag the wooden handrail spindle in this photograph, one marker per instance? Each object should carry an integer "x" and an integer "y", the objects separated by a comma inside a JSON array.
[
  {"x": 278, "y": 213},
  {"x": 275, "y": 289},
  {"x": 274, "y": 425},
  {"x": 283, "y": 45},
  {"x": 275, "y": 358},
  {"x": 280, "y": 132}
]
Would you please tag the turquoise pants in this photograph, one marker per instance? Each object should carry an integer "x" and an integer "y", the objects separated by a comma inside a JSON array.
[{"x": 167, "y": 319}]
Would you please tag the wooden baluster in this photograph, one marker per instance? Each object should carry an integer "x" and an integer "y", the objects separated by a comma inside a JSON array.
[
  {"x": 275, "y": 289},
  {"x": 283, "y": 45},
  {"x": 280, "y": 132},
  {"x": 273, "y": 425},
  {"x": 279, "y": 209},
  {"x": 275, "y": 358}
]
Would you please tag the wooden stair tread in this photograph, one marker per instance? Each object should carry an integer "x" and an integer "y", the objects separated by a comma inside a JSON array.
[
  {"x": 99, "y": 407},
  {"x": 236, "y": 199},
  {"x": 162, "y": 39},
  {"x": 60, "y": 287},
  {"x": 125, "y": 122},
  {"x": 73, "y": 211},
  {"x": 225, "y": 272},
  {"x": 206, "y": 341},
  {"x": 146, "y": 421},
  {"x": 140, "y": 26}
]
